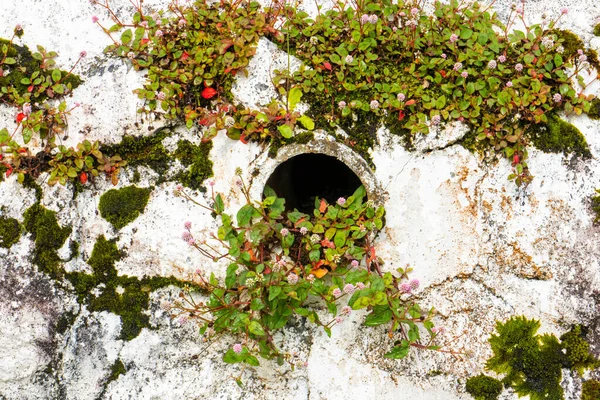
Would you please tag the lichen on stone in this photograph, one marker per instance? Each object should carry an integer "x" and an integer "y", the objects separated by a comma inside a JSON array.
[
  {"x": 10, "y": 231},
  {"x": 122, "y": 206}
]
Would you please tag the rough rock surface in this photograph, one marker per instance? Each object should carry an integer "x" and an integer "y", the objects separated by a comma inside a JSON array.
[{"x": 483, "y": 249}]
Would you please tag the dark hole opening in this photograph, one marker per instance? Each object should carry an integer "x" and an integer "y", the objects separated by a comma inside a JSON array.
[{"x": 304, "y": 177}]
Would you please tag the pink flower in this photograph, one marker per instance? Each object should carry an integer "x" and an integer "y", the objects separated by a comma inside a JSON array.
[
  {"x": 557, "y": 98},
  {"x": 341, "y": 201},
  {"x": 464, "y": 74},
  {"x": 179, "y": 188},
  {"x": 580, "y": 52},
  {"x": 346, "y": 310},
  {"x": 186, "y": 236},
  {"x": 211, "y": 182},
  {"x": 144, "y": 24},
  {"x": 161, "y": 96},
  {"x": 401, "y": 97},
  {"x": 436, "y": 119},
  {"x": 158, "y": 33},
  {"x": 373, "y": 19},
  {"x": 509, "y": 84},
  {"x": 187, "y": 225},
  {"x": 492, "y": 64},
  {"x": 349, "y": 288},
  {"x": 292, "y": 279},
  {"x": 182, "y": 22},
  {"x": 342, "y": 105},
  {"x": 457, "y": 67},
  {"x": 414, "y": 11},
  {"x": 564, "y": 10},
  {"x": 284, "y": 231},
  {"x": 237, "y": 348},
  {"x": 83, "y": 54},
  {"x": 405, "y": 287},
  {"x": 502, "y": 58},
  {"x": 453, "y": 38},
  {"x": 310, "y": 278},
  {"x": 444, "y": 56},
  {"x": 94, "y": 19},
  {"x": 26, "y": 108},
  {"x": 336, "y": 292},
  {"x": 365, "y": 19},
  {"x": 303, "y": 230},
  {"x": 402, "y": 14},
  {"x": 374, "y": 105},
  {"x": 349, "y": 59},
  {"x": 440, "y": 329},
  {"x": 360, "y": 285},
  {"x": 519, "y": 67},
  {"x": 582, "y": 58},
  {"x": 339, "y": 320},
  {"x": 414, "y": 284},
  {"x": 354, "y": 263}
]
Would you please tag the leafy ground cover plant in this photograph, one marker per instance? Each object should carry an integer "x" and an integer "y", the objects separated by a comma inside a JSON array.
[
  {"x": 530, "y": 363},
  {"x": 384, "y": 61},
  {"x": 281, "y": 263}
]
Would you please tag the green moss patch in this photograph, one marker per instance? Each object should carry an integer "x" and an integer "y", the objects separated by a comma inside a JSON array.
[
  {"x": 196, "y": 159},
  {"x": 597, "y": 30},
  {"x": 590, "y": 390},
  {"x": 122, "y": 206},
  {"x": 48, "y": 237},
  {"x": 127, "y": 297},
  {"x": 594, "y": 112},
  {"x": 532, "y": 364},
  {"x": 146, "y": 151},
  {"x": 571, "y": 43},
  {"x": 10, "y": 231},
  {"x": 484, "y": 387},
  {"x": 596, "y": 205},
  {"x": 558, "y": 136}
]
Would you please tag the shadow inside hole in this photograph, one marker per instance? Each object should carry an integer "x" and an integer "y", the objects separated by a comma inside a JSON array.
[{"x": 305, "y": 177}]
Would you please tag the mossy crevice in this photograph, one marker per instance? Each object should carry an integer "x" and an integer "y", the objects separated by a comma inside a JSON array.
[
  {"x": 127, "y": 297},
  {"x": 277, "y": 143},
  {"x": 597, "y": 30},
  {"x": 596, "y": 205},
  {"x": 594, "y": 112},
  {"x": 10, "y": 231},
  {"x": 590, "y": 390},
  {"x": 559, "y": 136},
  {"x": 122, "y": 206},
  {"x": 196, "y": 159},
  {"x": 48, "y": 237},
  {"x": 572, "y": 43}
]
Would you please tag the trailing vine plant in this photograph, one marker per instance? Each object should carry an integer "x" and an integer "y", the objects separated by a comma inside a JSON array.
[{"x": 282, "y": 264}]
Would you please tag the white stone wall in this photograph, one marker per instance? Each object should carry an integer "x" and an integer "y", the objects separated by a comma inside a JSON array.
[{"x": 483, "y": 249}]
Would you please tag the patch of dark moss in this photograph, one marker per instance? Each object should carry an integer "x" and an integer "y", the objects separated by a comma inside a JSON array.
[
  {"x": 196, "y": 159},
  {"x": 30, "y": 183},
  {"x": 594, "y": 112},
  {"x": 116, "y": 370},
  {"x": 24, "y": 67},
  {"x": 127, "y": 297},
  {"x": 64, "y": 322},
  {"x": 10, "y": 231},
  {"x": 48, "y": 237},
  {"x": 277, "y": 143},
  {"x": 577, "y": 350},
  {"x": 597, "y": 30},
  {"x": 596, "y": 205},
  {"x": 146, "y": 151},
  {"x": 136, "y": 176},
  {"x": 590, "y": 390},
  {"x": 122, "y": 206},
  {"x": 558, "y": 136},
  {"x": 483, "y": 387}
]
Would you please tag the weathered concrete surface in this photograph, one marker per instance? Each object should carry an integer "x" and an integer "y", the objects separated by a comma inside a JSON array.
[{"x": 483, "y": 249}]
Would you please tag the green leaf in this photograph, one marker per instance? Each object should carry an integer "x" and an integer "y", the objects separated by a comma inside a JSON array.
[
  {"x": 56, "y": 75},
  {"x": 399, "y": 352},
  {"x": 256, "y": 328},
  {"x": 294, "y": 96},
  {"x": 466, "y": 33},
  {"x": 231, "y": 276},
  {"x": 244, "y": 215},
  {"x": 286, "y": 131},
  {"x": 10, "y": 60},
  {"x": 219, "y": 205},
  {"x": 126, "y": 36},
  {"x": 307, "y": 122},
  {"x": 558, "y": 61},
  {"x": 58, "y": 88},
  {"x": 380, "y": 315},
  {"x": 274, "y": 291}
]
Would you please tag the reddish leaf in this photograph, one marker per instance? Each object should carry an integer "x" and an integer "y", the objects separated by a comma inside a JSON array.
[
  {"x": 20, "y": 117},
  {"x": 144, "y": 41},
  {"x": 323, "y": 206},
  {"x": 30, "y": 89},
  {"x": 401, "y": 115},
  {"x": 184, "y": 56},
  {"x": 410, "y": 102},
  {"x": 243, "y": 138},
  {"x": 208, "y": 93},
  {"x": 9, "y": 170},
  {"x": 83, "y": 178},
  {"x": 443, "y": 73},
  {"x": 23, "y": 150},
  {"x": 327, "y": 65},
  {"x": 516, "y": 159}
]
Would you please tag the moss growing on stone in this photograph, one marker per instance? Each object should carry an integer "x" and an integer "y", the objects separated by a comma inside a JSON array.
[
  {"x": 116, "y": 370},
  {"x": 594, "y": 112},
  {"x": 596, "y": 205},
  {"x": 48, "y": 237},
  {"x": 571, "y": 43},
  {"x": 196, "y": 159},
  {"x": 146, "y": 151},
  {"x": 127, "y": 297},
  {"x": 277, "y": 143},
  {"x": 558, "y": 136},
  {"x": 10, "y": 231},
  {"x": 590, "y": 390},
  {"x": 25, "y": 65},
  {"x": 577, "y": 351},
  {"x": 122, "y": 206},
  {"x": 483, "y": 387},
  {"x": 597, "y": 30}
]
